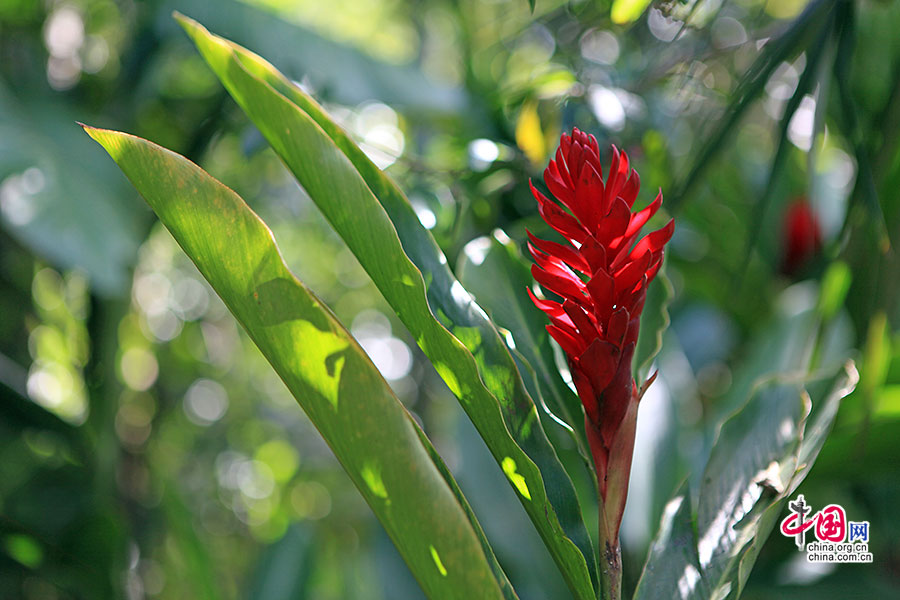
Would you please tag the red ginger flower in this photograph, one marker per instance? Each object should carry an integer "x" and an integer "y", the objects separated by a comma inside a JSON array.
[
  {"x": 802, "y": 236},
  {"x": 602, "y": 278}
]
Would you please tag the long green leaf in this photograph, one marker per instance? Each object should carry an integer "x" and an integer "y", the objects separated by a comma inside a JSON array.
[
  {"x": 380, "y": 227},
  {"x": 762, "y": 454},
  {"x": 370, "y": 432},
  {"x": 494, "y": 271}
]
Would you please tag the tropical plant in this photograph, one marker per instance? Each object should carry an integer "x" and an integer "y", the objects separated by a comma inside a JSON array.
[{"x": 489, "y": 345}]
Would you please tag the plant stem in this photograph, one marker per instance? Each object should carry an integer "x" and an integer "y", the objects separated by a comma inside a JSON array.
[{"x": 610, "y": 563}]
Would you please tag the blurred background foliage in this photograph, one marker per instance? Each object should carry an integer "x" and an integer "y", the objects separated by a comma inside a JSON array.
[{"x": 147, "y": 449}]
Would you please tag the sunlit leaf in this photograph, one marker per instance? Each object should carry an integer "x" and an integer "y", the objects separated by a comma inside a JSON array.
[
  {"x": 24, "y": 550},
  {"x": 529, "y": 135},
  {"x": 877, "y": 355},
  {"x": 626, "y": 11},
  {"x": 382, "y": 230},
  {"x": 495, "y": 272},
  {"x": 784, "y": 9},
  {"x": 835, "y": 285},
  {"x": 371, "y": 433},
  {"x": 761, "y": 455}
]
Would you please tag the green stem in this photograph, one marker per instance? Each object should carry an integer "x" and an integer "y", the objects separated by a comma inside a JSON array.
[{"x": 610, "y": 562}]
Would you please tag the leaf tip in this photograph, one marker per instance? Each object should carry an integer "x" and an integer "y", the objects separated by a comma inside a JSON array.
[
  {"x": 90, "y": 130},
  {"x": 111, "y": 140},
  {"x": 188, "y": 24}
]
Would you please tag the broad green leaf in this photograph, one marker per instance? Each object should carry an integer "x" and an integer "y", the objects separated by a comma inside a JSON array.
[
  {"x": 673, "y": 554},
  {"x": 495, "y": 272},
  {"x": 814, "y": 430},
  {"x": 627, "y": 11},
  {"x": 822, "y": 415},
  {"x": 380, "y": 227},
  {"x": 787, "y": 345},
  {"x": 506, "y": 587},
  {"x": 761, "y": 455},
  {"x": 752, "y": 460},
  {"x": 370, "y": 432}
]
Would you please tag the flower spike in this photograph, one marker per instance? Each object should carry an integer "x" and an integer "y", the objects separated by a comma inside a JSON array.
[{"x": 602, "y": 278}]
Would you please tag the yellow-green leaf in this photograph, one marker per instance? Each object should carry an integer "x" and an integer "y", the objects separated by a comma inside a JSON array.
[
  {"x": 371, "y": 433},
  {"x": 627, "y": 11},
  {"x": 382, "y": 230},
  {"x": 529, "y": 135}
]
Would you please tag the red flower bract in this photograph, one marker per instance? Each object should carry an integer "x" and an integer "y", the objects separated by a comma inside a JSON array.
[
  {"x": 602, "y": 278},
  {"x": 802, "y": 236}
]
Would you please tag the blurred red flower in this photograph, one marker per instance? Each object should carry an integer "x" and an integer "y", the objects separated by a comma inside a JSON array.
[{"x": 802, "y": 236}]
